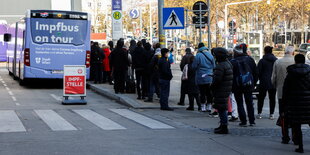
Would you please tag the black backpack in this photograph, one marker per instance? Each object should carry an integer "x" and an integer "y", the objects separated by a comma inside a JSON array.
[{"x": 245, "y": 77}]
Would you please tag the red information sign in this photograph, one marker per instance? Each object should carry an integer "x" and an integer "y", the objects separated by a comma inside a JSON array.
[{"x": 74, "y": 81}]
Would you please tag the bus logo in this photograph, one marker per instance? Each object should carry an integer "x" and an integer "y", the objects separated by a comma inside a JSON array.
[
  {"x": 38, "y": 60},
  {"x": 44, "y": 14},
  {"x": 80, "y": 71}
]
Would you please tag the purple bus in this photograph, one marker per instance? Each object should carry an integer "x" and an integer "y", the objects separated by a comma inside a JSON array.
[
  {"x": 44, "y": 41},
  {"x": 3, "y": 44}
]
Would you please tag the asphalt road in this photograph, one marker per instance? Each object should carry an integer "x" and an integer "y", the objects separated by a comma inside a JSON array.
[{"x": 33, "y": 122}]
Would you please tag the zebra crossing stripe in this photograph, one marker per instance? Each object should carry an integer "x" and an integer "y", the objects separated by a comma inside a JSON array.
[
  {"x": 143, "y": 120},
  {"x": 54, "y": 121},
  {"x": 9, "y": 122},
  {"x": 100, "y": 121}
]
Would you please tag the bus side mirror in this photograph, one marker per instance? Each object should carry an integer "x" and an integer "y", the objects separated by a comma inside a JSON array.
[{"x": 7, "y": 37}]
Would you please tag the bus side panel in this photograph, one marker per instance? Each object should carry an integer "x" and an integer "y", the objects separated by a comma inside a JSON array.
[
  {"x": 3, "y": 45},
  {"x": 19, "y": 48},
  {"x": 11, "y": 48}
]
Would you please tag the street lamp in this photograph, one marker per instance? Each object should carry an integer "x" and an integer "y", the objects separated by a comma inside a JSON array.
[{"x": 235, "y": 3}]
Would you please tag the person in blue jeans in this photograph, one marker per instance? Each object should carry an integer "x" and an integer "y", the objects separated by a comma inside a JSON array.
[
  {"x": 244, "y": 65},
  {"x": 165, "y": 75}
]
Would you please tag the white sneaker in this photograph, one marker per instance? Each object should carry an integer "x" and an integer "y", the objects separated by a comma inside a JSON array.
[
  {"x": 259, "y": 116},
  {"x": 203, "y": 107},
  {"x": 271, "y": 117},
  {"x": 209, "y": 108}
]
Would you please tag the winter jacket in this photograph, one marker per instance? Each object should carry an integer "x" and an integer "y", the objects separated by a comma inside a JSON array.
[
  {"x": 253, "y": 70},
  {"x": 296, "y": 94},
  {"x": 139, "y": 58},
  {"x": 119, "y": 59},
  {"x": 190, "y": 83},
  {"x": 222, "y": 84},
  {"x": 154, "y": 65},
  {"x": 203, "y": 66},
  {"x": 265, "y": 67},
  {"x": 279, "y": 72},
  {"x": 164, "y": 69},
  {"x": 96, "y": 55},
  {"x": 185, "y": 60},
  {"x": 106, "y": 61}
]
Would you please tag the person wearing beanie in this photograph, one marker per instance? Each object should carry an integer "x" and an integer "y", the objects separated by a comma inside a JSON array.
[
  {"x": 245, "y": 78},
  {"x": 165, "y": 75},
  {"x": 221, "y": 87},
  {"x": 204, "y": 64},
  {"x": 265, "y": 67},
  {"x": 184, "y": 87},
  {"x": 296, "y": 92}
]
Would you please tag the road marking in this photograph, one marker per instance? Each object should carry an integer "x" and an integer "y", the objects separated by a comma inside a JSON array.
[
  {"x": 7, "y": 88},
  {"x": 9, "y": 122},
  {"x": 10, "y": 92},
  {"x": 54, "y": 121},
  {"x": 5, "y": 85},
  {"x": 56, "y": 97},
  {"x": 17, "y": 104},
  {"x": 2, "y": 81},
  {"x": 143, "y": 120},
  {"x": 100, "y": 121},
  {"x": 14, "y": 98}
]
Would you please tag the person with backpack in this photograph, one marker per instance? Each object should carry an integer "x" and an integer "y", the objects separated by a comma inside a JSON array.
[
  {"x": 296, "y": 101},
  {"x": 185, "y": 60},
  {"x": 97, "y": 57},
  {"x": 245, "y": 78},
  {"x": 204, "y": 64},
  {"x": 265, "y": 67},
  {"x": 221, "y": 87}
]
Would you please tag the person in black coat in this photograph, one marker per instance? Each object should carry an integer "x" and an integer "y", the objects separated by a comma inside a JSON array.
[
  {"x": 119, "y": 63},
  {"x": 97, "y": 56},
  {"x": 242, "y": 61},
  {"x": 296, "y": 100},
  {"x": 185, "y": 60},
  {"x": 222, "y": 87},
  {"x": 139, "y": 64},
  {"x": 165, "y": 75},
  {"x": 265, "y": 67},
  {"x": 191, "y": 88}
]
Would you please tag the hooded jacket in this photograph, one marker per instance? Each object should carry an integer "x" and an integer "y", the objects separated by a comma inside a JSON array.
[
  {"x": 222, "y": 80},
  {"x": 203, "y": 66},
  {"x": 265, "y": 67},
  {"x": 185, "y": 60},
  {"x": 296, "y": 94}
]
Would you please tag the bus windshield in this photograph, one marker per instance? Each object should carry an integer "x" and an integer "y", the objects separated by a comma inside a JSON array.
[{"x": 58, "y": 28}]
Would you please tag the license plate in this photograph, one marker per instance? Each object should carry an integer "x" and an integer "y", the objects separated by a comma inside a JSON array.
[{"x": 57, "y": 72}]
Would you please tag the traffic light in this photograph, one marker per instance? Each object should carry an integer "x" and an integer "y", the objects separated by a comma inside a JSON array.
[{"x": 232, "y": 27}]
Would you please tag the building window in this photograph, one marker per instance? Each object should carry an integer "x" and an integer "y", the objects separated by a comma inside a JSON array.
[
  {"x": 99, "y": 4},
  {"x": 89, "y": 4}
]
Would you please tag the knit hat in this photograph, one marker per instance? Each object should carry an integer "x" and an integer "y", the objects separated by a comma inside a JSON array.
[
  {"x": 220, "y": 53},
  {"x": 238, "y": 49}
]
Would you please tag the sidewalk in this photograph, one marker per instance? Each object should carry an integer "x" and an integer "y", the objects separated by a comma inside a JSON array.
[{"x": 131, "y": 99}]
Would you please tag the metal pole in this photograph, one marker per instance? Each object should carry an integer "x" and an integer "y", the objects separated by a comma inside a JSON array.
[
  {"x": 209, "y": 28},
  {"x": 285, "y": 32},
  {"x": 151, "y": 27},
  {"x": 200, "y": 24},
  {"x": 186, "y": 22},
  {"x": 226, "y": 30},
  {"x": 162, "y": 36},
  {"x": 141, "y": 32}
]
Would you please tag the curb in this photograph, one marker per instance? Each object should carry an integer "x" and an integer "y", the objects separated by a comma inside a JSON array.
[{"x": 124, "y": 100}]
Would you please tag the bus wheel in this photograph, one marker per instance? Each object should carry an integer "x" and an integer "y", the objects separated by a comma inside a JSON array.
[
  {"x": 10, "y": 73},
  {"x": 15, "y": 77},
  {"x": 22, "y": 82}
]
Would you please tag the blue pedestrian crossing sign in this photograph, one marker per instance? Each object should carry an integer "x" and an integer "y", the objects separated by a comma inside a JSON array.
[{"x": 173, "y": 18}]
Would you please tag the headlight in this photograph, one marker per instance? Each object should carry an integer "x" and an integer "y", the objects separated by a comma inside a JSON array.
[{"x": 308, "y": 56}]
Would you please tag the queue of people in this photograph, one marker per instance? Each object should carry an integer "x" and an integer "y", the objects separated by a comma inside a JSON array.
[{"x": 219, "y": 80}]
